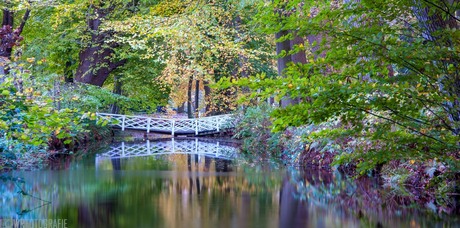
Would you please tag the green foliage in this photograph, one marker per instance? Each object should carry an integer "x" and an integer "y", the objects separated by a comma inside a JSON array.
[
  {"x": 195, "y": 40},
  {"x": 254, "y": 128},
  {"x": 89, "y": 98},
  {"x": 54, "y": 37},
  {"x": 373, "y": 70},
  {"x": 28, "y": 119}
]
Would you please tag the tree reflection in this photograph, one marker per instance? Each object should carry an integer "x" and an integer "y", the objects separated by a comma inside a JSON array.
[
  {"x": 193, "y": 190},
  {"x": 293, "y": 212}
]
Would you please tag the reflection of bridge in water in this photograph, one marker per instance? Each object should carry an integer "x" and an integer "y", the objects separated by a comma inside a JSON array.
[{"x": 173, "y": 146}]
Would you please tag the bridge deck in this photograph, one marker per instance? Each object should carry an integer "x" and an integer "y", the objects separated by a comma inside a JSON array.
[{"x": 199, "y": 126}]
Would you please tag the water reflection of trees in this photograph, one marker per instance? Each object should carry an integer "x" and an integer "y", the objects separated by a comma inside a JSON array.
[
  {"x": 356, "y": 202},
  {"x": 192, "y": 190},
  {"x": 297, "y": 199},
  {"x": 195, "y": 198}
]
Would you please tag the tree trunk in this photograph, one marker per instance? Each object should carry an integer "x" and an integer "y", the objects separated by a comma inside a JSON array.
[
  {"x": 115, "y": 109},
  {"x": 68, "y": 72},
  {"x": 242, "y": 60},
  {"x": 296, "y": 58},
  {"x": 315, "y": 46},
  {"x": 197, "y": 97},
  {"x": 189, "y": 98},
  {"x": 95, "y": 65},
  {"x": 299, "y": 57},
  {"x": 207, "y": 98},
  {"x": 11, "y": 36},
  {"x": 96, "y": 60},
  {"x": 8, "y": 17},
  {"x": 283, "y": 47},
  {"x": 7, "y": 25}
]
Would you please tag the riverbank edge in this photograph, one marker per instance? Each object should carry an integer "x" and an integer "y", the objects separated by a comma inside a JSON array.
[
  {"x": 429, "y": 184},
  {"x": 92, "y": 139}
]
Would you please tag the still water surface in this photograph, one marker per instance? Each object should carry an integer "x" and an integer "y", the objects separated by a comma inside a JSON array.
[{"x": 201, "y": 184}]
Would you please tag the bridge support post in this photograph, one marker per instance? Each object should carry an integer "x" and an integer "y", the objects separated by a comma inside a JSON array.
[
  {"x": 172, "y": 127},
  {"x": 196, "y": 126}
]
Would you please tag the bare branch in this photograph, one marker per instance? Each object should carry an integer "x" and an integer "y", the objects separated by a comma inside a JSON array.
[{"x": 23, "y": 21}]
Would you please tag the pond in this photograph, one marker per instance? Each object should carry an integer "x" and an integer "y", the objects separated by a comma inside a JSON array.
[{"x": 194, "y": 183}]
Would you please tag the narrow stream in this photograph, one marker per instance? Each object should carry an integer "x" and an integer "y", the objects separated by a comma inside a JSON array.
[{"x": 191, "y": 183}]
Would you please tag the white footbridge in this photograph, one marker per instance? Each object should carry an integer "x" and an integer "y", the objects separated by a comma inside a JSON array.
[
  {"x": 196, "y": 147},
  {"x": 198, "y": 126}
]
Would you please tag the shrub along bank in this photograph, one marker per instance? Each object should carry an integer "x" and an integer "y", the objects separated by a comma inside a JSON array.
[{"x": 35, "y": 124}]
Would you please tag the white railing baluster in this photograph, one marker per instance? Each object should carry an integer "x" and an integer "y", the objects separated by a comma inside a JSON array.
[
  {"x": 173, "y": 126},
  {"x": 123, "y": 123},
  {"x": 196, "y": 126},
  {"x": 122, "y": 149},
  {"x": 148, "y": 125},
  {"x": 148, "y": 146}
]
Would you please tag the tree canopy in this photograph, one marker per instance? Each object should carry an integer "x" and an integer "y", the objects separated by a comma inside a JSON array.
[{"x": 383, "y": 74}]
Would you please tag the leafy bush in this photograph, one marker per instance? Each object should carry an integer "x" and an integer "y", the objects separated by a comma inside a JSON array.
[
  {"x": 254, "y": 128},
  {"x": 28, "y": 120},
  {"x": 91, "y": 98}
]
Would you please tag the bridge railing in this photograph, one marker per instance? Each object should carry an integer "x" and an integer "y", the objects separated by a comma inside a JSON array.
[{"x": 173, "y": 126}]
